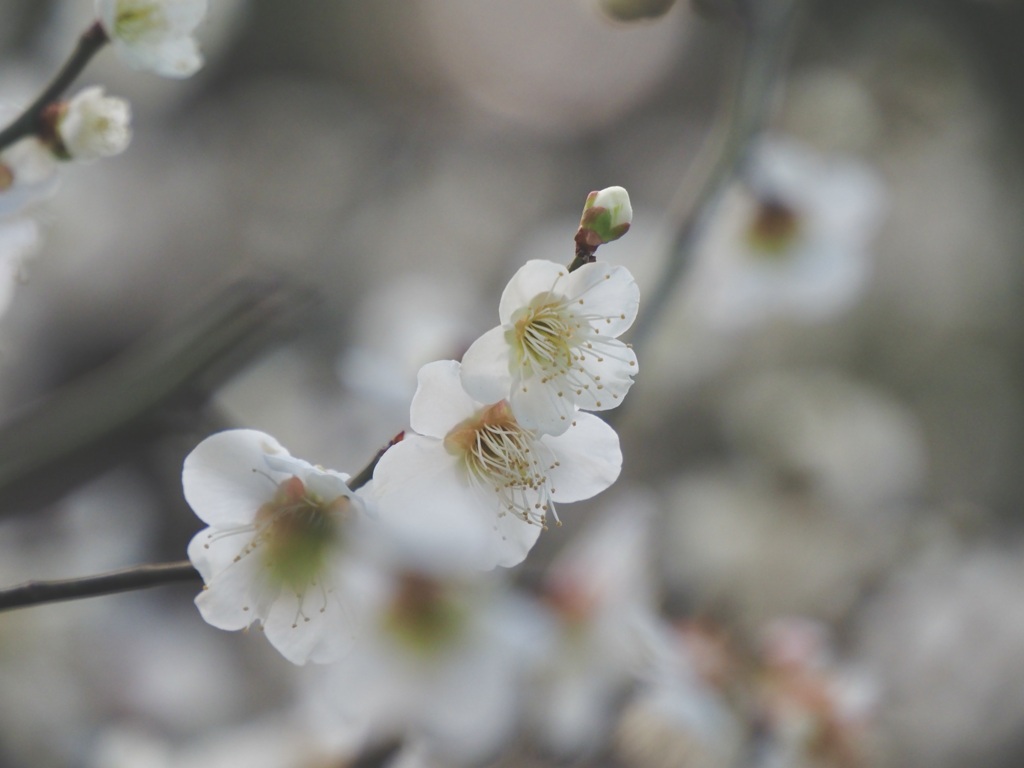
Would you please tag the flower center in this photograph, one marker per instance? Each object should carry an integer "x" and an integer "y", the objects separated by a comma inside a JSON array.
[
  {"x": 423, "y": 613},
  {"x": 543, "y": 333},
  {"x": 500, "y": 456},
  {"x": 296, "y": 531},
  {"x": 137, "y": 18},
  {"x": 774, "y": 228}
]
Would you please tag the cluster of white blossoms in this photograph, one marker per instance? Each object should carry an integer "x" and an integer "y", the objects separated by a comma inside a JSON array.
[
  {"x": 496, "y": 442},
  {"x": 155, "y": 35}
]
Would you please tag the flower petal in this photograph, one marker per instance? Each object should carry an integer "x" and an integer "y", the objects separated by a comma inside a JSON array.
[
  {"x": 211, "y": 553},
  {"x": 608, "y": 367},
  {"x": 515, "y": 538},
  {"x": 589, "y": 459},
  {"x": 176, "y": 57},
  {"x": 485, "y": 367},
  {"x": 184, "y": 16},
  {"x": 227, "y": 600},
  {"x": 440, "y": 401},
  {"x": 224, "y": 477},
  {"x": 607, "y": 292},
  {"x": 317, "y": 627},
  {"x": 539, "y": 407},
  {"x": 533, "y": 278},
  {"x": 429, "y": 511}
]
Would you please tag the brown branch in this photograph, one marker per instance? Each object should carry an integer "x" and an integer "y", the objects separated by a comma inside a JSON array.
[
  {"x": 366, "y": 473},
  {"x": 28, "y": 122},
  {"x": 125, "y": 580}
]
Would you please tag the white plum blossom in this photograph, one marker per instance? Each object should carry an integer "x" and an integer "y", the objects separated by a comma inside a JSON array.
[
  {"x": 441, "y": 661},
  {"x": 154, "y": 35},
  {"x": 678, "y": 715},
  {"x": 791, "y": 238},
  {"x": 95, "y": 125},
  {"x": 603, "y": 632},
  {"x": 479, "y": 483},
  {"x": 280, "y": 546},
  {"x": 556, "y": 348}
]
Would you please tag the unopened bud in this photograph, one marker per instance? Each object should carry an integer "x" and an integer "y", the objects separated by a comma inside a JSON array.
[
  {"x": 92, "y": 125},
  {"x": 607, "y": 215}
]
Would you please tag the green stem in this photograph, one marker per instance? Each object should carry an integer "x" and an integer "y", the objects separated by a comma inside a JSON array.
[
  {"x": 28, "y": 122},
  {"x": 125, "y": 580}
]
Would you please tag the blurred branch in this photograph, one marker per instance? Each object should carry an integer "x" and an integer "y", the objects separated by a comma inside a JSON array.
[
  {"x": 27, "y": 123},
  {"x": 366, "y": 473},
  {"x": 101, "y": 417},
  {"x": 125, "y": 580},
  {"x": 767, "y": 34}
]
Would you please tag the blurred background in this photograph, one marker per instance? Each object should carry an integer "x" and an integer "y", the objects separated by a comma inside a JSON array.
[{"x": 380, "y": 170}]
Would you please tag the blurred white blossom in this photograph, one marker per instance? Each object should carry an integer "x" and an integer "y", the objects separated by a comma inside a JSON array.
[
  {"x": 440, "y": 663},
  {"x": 155, "y": 35},
  {"x": 28, "y": 172},
  {"x": 95, "y": 125},
  {"x": 792, "y": 238},
  {"x": 602, "y": 633},
  {"x": 813, "y": 711}
]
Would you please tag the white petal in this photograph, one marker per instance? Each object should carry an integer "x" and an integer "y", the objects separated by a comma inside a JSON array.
[
  {"x": 427, "y": 508},
  {"x": 473, "y": 703},
  {"x": 537, "y": 406},
  {"x": 329, "y": 486},
  {"x": 611, "y": 368},
  {"x": 589, "y": 459},
  {"x": 319, "y": 630},
  {"x": 227, "y": 601},
  {"x": 609, "y": 292},
  {"x": 170, "y": 57},
  {"x": 183, "y": 16},
  {"x": 440, "y": 401},
  {"x": 211, "y": 553},
  {"x": 485, "y": 367},
  {"x": 533, "y": 278},
  {"x": 225, "y": 477},
  {"x": 514, "y": 540}
]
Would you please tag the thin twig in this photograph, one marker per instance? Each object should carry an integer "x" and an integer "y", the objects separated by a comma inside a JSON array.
[
  {"x": 28, "y": 122},
  {"x": 125, "y": 580},
  {"x": 103, "y": 416},
  {"x": 366, "y": 473}
]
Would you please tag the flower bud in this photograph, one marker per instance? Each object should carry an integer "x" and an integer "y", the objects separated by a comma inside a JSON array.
[
  {"x": 607, "y": 215},
  {"x": 93, "y": 125}
]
